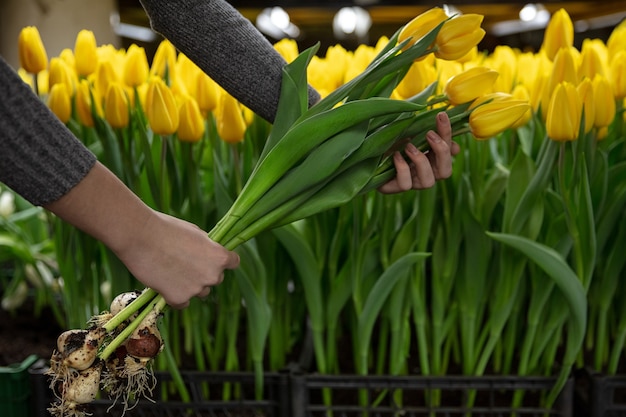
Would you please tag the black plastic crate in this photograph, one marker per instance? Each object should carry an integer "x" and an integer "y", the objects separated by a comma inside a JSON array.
[
  {"x": 207, "y": 397},
  {"x": 607, "y": 395},
  {"x": 417, "y": 396}
]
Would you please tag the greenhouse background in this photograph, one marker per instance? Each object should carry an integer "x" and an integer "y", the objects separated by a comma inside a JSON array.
[{"x": 500, "y": 291}]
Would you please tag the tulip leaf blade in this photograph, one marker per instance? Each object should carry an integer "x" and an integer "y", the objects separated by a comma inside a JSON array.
[
  {"x": 376, "y": 299},
  {"x": 553, "y": 264},
  {"x": 293, "y": 101}
]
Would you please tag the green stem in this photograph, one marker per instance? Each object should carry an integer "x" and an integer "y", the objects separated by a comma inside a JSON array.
[
  {"x": 147, "y": 295},
  {"x": 157, "y": 304}
]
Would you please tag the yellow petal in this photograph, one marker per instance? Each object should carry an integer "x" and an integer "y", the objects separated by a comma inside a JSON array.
[{"x": 32, "y": 54}]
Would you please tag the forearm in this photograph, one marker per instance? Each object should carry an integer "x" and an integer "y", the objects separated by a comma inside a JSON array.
[
  {"x": 102, "y": 206},
  {"x": 226, "y": 46}
]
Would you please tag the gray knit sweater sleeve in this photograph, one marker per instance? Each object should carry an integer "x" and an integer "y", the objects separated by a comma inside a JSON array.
[
  {"x": 226, "y": 46},
  {"x": 40, "y": 158}
]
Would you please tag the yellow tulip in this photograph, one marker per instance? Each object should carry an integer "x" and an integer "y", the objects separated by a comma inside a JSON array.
[
  {"x": 33, "y": 56},
  {"x": 85, "y": 53},
  {"x": 191, "y": 126},
  {"x": 604, "y": 101},
  {"x": 231, "y": 126},
  {"x": 59, "y": 102},
  {"x": 494, "y": 117},
  {"x": 617, "y": 39},
  {"x": 419, "y": 76},
  {"x": 287, "y": 48},
  {"x": 136, "y": 66},
  {"x": 617, "y": 70},
  {"x": 591, "y": 61},
  {"x": 85, "y": 106},
  {"x": 67, "y": 55},
  {"x": 358, "y": 61},
  {"x": 116, "y": 106},
  {"x": 458, "y": 36},
  {"x": 422, "y": 24},
  {"x": 471, "y": 55},
  {"x": 564, "y": 113},
  {"x": 585, "y": 92},
  {"x": 161, "y": 108},
  {"x": 504, "y": 61},
  {"x": 558, "y": 34},
  {"x": 104, "y": 76},
  {"x": 520, "y": 92},
  {"x": 470, "y": 84},
  {"x": 337, "y": 59},
  {"x": 186, "y": 75},
  {"x": 164, "y": 61},
  {"x": 61, "y": 73},
  {"x": 563, "y": 70},
  {"x": 207, "y": 93},
  {"x": 83, "y": 103}
]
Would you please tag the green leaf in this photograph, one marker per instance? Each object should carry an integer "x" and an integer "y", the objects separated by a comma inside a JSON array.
[
  {"x": 376, "y": 299},
  {"x": 294, "y": 100},
  {"x": 566, "y": 280}
]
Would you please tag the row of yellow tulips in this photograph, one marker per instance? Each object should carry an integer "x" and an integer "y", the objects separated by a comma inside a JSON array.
[{"x": 108, "y": 75}]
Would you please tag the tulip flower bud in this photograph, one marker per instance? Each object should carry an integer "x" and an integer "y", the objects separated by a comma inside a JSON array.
[
  {"x": 85, "y": 53},
  {"x": 33, "y": 56},
  {"x": 422, "y": 24},
  {"x": 520, "y": 92},
  {"x": 420, "y": 75},
  {"x": 161, "y": 108},
  {"x": 105, "y": 76},
  {"x": 116, "y": 106},
  {"x": 470, "y": 84},
  {"x": 191, "y": 126},
  {"x": 591, "y": 61},
  {"x": 61, "y": 73},
  {"x": 616, "y": 40},
  {"x": 564, "y": 69},
  {"x": 458, "y": 36},
  {"x": 359, "y": 60},
  {"x": 618, "y": 74},
  {"x": 67, "y": 55},
  {"x": 564, "y": 113},
  {"x": 585, "y": 92},
  {"x": 558, "y": 34},
  {"x": 604, "y": 101},
  {"x": 136, "y": 67},
  {"x": 59, "y": 102},
  {"x": 207, "y": 93},
  {"x": 287, "y": 48},
  {"x": 84, "y": 104},
  {"x": 494, "y": 117},
  {"x": 231, "y": 125},
  {"x": 164, "y": 61}
]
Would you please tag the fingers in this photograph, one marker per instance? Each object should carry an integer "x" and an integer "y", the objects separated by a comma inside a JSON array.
[{"x": 232, "y": 261}]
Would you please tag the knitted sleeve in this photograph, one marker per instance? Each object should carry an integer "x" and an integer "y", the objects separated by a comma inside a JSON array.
[
  {"x": 226, "y": 46},
  {"x": 40, "y": 158}
]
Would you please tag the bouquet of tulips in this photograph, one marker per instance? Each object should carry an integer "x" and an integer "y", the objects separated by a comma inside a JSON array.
[{"x": 313, "y": 160}]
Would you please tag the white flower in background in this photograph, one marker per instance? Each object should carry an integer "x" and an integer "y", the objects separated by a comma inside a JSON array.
[
  {"x": 7, "y": 203},
  {"x": 16, "y": 298}
]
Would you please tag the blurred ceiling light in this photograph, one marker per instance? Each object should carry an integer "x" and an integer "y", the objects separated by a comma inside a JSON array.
[
  {"x": 533, "y": 16},
  {"x": 451, "y": 10},
  {"x": 275, "y": 22},
  {"x": 134, "y": 32},
  {"x": 351, "y": 21},
  {"x": 534, "y": 12}
]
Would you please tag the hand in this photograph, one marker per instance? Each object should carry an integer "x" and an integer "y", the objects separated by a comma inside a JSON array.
[
  {"x": 177, "y": 259},
  {"x": 424, "y": 168},
  {"x": 169, "y": 255}
]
